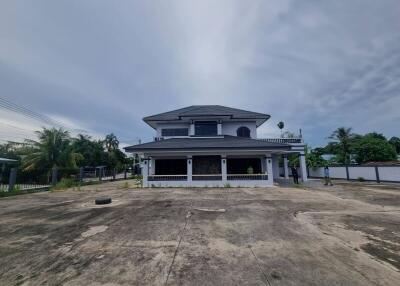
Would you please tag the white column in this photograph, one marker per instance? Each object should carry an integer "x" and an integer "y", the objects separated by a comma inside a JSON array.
[
  {"x": 224, "y": 169},
  {"x": 268, "y": 169},
  {"x": 145, "y": 171},
  {"x": 189, "y": 172},
  {"x": 275, "y": 165},
  {"x": 285, "y": 166},
  {"x": 219, "y": 128},
  {"x": 152, "y": 167},
  {"x": 191, "y": 129},
  {"x": 303, "y": 167}
]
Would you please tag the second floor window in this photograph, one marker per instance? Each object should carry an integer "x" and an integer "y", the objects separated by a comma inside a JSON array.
[
  {"x": 206, "y": 128},
  {"x": 174, "y": 132},
  {"x": 243, "y": 132}
]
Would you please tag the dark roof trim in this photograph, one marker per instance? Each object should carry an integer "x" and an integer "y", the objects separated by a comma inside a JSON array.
[
  {"x": 201, "y": 144},
  {"x": 207, "y": 111},
  {"x": 128, "y": 149}
]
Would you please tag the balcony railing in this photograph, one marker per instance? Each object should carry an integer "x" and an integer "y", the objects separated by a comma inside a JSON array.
[
  {"x": 282, "y": 140},
  {"x": 167, "y": 178},
  {"x": 208, "y": 177},
  {"x": 247, "y": 177}
]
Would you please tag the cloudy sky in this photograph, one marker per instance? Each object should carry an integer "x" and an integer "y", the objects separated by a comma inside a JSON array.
[{"x": 101, "y": 66}]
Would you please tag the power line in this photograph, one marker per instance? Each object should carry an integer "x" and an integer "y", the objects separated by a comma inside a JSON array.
[
  {"x": 16, "y": 127},
  {"x": 27, "y": 112},
  {"x": 6, "y": 104}
]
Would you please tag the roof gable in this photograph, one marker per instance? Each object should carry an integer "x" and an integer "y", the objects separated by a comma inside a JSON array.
[{"x": 207, "y": 110}]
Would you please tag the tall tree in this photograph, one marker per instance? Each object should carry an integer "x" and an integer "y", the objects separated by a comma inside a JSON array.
[
  {"x": 92, "y": 151},
  {"x": 343, "y": 139},
  {"x": 111, "y": 142},
  {"x": 370, "y": 149},
  {"x": 281, "y": 125},
  {"x": 53, "y": 149},
  {"x": 395, "y": 142}
]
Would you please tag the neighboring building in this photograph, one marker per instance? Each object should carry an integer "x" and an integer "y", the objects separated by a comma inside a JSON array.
[{"x": 213, "y": 145}]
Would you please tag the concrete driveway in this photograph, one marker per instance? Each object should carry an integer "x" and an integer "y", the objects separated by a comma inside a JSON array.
[{"x": 348, "y": 234}]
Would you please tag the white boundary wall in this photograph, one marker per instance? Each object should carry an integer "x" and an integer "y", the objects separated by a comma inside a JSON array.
[{"x": 369, "y": 173}]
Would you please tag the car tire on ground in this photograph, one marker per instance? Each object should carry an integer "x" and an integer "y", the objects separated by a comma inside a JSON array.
[{"x": 103, "y": 201}]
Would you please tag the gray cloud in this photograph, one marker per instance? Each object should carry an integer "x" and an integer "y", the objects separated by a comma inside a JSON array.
[{"x": 104, "y": 65}]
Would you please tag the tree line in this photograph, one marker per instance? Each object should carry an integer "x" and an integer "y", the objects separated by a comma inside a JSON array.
[
  {"x": 347, "y": 147},
  {"x": 57, "y": 148}
]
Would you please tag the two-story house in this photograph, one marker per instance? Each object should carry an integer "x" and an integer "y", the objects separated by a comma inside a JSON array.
[{"x": 213, "y": 145}]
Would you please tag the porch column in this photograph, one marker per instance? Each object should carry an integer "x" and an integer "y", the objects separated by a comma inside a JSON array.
[
  {"x": 303, "y": 167},
  {"x": 152, "y": 169},
  {"x": 189, "y": 172},
  {"x": 268, "y": 169},
  {"x": 285, "y": 166},
  {"x": 191, "y": 128},
  {"x": 145, "y": 171},
  {"x": 224, "y": 169},
  {"x": 275, "y": 165},
  {"x": 219, "y": 128}
]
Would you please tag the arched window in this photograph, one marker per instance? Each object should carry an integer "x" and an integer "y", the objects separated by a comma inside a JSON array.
[{"x": 243, "y": 132}]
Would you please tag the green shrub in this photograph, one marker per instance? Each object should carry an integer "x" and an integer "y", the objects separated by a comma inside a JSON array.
[
  {"x": 16, "y": 188},
  {"x": 360, "y": 179},
  {"x": 227, "y": 185},
  {"x": 65, "y": 183},
  {"x": 124, "y": 186}
]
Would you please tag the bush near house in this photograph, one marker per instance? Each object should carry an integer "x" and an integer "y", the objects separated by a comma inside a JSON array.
[{"x": 374, "y": 149}]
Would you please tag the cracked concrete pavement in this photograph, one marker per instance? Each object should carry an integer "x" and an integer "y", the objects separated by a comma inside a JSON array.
[{"x": 348, "y": 234}]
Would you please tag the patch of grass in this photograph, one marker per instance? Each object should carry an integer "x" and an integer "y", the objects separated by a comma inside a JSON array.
[
  {"x": 16, "y": 189},
  {"x": 227, "y": 185},
  {"x": 4, "y": 194},
  {"x": 65, "y": 183},
  {"x": 124, "y": 186}
]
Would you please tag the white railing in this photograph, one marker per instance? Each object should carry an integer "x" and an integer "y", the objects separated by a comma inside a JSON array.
[
  {"x": 238, "y": 177},
  {"x": 207, "y": 177},
  {"x": 282, "y": 140},
  {"x": 167, "y": 178}
]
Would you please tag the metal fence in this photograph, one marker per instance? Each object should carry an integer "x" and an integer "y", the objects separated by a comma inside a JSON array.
[{"x": 14, "y": 179}]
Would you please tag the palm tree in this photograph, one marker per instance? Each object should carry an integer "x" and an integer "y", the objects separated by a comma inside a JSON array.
[
  {"x": 281, "y": 125},
  {"x": 343, "y": 137},
  {"x": 111, "y": 142},
  {"x": 53, "y": 149}
]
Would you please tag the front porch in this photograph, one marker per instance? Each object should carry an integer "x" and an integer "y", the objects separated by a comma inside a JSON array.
[{"x": 213, "y": 170}]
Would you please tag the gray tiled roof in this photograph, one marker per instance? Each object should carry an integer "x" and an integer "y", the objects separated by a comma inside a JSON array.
[
  {"x": 209, "y": 110},
  {"x": 215, "y": 143}
]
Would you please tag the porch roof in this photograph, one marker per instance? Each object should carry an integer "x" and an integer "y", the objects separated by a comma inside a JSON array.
[{"x": 210, "y": 143}]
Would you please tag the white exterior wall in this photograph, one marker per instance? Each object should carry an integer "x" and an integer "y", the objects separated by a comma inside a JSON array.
[
  {"x": 336, "y": 172},
  {"x": 227, "y": 128},
  {"x": 230, "y": 128},
  {"x": 318, "y": 172},
  {"x": 170, "y": 125},
  {"x": 389, "y": 173},
  {"x": 386, "y": 173},
  {"x": 368, "y": 173}
]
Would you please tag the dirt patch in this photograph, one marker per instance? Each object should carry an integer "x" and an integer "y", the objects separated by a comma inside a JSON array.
[{"x": 93, "y": 230}]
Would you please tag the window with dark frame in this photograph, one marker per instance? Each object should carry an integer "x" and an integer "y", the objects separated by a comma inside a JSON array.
[
  {"x": 243, "y": 132},
  {"x": 206, "y": 128},
  {"x": 175, "y": 132}
]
